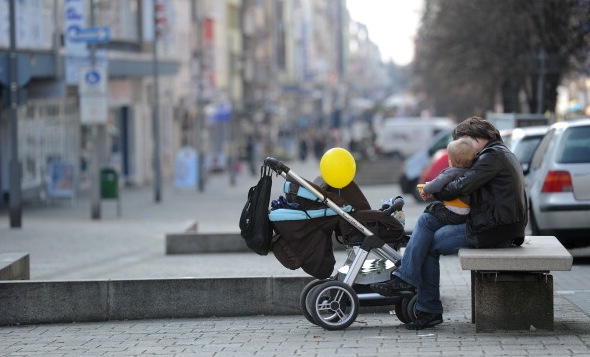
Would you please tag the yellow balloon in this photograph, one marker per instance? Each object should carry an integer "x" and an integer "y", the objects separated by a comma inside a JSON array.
[{"x": 337, "y": 167}]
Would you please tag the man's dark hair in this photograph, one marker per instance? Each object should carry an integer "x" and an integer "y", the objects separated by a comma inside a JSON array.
[{"x": 477, "y": 128}]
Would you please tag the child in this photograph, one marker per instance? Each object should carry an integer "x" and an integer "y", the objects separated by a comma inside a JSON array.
[{"x": 461, "y": 154}]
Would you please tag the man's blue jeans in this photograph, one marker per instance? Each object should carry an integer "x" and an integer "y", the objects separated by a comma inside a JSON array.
[{"x": 420, "y": 265}]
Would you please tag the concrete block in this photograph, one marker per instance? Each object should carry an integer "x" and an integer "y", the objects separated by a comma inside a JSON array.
[
  {"x": 197, "y": 243},
  {"x": 33, "y": 302},
  {"x": 513, "y": 301},
  {"x": 15, "y": 266},
  {"x": 84, "y": 301},
  {"x": 286, "y": 293},
  {"x": 187, "y": 298},
  {"x": 378, "y": 172},
  {"x": 80, "y": 301}
]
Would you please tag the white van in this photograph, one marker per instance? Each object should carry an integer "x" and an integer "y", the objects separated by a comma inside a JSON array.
[{"x": 402, "y": 137}]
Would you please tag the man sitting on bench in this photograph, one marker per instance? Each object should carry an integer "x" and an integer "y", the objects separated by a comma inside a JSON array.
[{"x": 497, "y": 219}]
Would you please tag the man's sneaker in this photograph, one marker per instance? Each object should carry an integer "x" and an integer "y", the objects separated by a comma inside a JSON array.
[
  {"x": 393, "y": 287},
  {"x": 424, "y": 320}
]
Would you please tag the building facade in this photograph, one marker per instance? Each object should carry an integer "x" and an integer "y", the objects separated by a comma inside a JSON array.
[{"x": 225, "y": 73}]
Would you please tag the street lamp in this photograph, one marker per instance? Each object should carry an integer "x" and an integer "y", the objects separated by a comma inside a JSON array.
[
  {"x": 15, "y": 205},
  {"x": 160, "y": 25}
]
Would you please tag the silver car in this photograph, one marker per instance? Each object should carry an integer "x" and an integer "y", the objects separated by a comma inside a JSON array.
[
  {"x": 558, "y": 184},
  {"x": 524, "y": 141}
]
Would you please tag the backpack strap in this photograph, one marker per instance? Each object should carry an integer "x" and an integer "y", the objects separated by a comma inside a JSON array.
[{"x": 300, "y": 191}]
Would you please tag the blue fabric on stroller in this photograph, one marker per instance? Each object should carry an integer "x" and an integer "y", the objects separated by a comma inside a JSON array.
[{"x": 290, "y": 214}]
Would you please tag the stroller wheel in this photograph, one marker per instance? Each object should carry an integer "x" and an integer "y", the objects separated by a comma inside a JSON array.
[
  {"x": 400, "y": 312},
  {"x": 409, "y": 309},
  {"x": 303, "y": 299},
  {"x": 333, "y": 305},
  {"x": 309, "y": 306}
]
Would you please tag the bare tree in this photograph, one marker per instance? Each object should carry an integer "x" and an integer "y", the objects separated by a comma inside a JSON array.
[{"x": 472, "y": 55}]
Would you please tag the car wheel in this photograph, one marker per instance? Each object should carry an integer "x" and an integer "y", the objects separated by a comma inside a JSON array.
[{"x": 407, "y": 185}]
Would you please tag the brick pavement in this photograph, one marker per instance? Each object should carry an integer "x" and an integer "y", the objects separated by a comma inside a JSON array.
[{"x": 372, "y": 334}]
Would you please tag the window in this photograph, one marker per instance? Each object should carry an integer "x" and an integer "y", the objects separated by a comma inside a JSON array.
[
  {"x": 540, "y": 153},
  {"x": 122, "y": 16},
  {"x": 576, "y": 146},
  {"x": 526, "y": 148}
]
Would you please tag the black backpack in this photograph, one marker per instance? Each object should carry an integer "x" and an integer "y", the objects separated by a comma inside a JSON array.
[{"x": 255, "y": 227}]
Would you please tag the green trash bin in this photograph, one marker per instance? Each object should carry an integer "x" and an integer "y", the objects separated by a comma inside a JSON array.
[{"x": 109, "y": 183}]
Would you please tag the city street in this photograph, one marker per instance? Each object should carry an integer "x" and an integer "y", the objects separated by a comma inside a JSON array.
[{"x": 132, "y": 131}]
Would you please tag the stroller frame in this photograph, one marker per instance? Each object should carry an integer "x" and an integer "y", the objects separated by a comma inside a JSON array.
[{"x": 333, "y": 303}]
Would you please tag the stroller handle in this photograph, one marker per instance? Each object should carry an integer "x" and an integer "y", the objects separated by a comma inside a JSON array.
[{"x": 276, "y": 165}]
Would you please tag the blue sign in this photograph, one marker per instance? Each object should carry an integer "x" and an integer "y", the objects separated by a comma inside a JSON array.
[
  {"x": 90, "y": 34},
  {"x": 63, "y": 180},
  {"x": 92, "y": 77},
  {"x": 186, "y": 169},
  {"x": 222, "y": 112}
]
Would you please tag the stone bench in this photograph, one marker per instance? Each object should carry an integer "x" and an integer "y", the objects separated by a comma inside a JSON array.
[
  {"x": 14, "y": 266},
  {"x": 200, "y": 243},
  {"x": 511, "y": 288},
  {"x": 189, "y": 241}
]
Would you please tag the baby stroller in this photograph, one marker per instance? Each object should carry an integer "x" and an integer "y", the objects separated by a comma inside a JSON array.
[{"x": 304, "y": 222}]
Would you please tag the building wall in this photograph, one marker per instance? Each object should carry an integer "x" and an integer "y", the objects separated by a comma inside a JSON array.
[{"x": 274, "y": 60}]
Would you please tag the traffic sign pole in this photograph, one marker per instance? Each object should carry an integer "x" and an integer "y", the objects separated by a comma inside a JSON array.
[
  {"x": 158, "y": 7},
  {"x": 95, "y": 211},
  {"x": 15, "y": 204},
  {"x": 93, "y": 95}
]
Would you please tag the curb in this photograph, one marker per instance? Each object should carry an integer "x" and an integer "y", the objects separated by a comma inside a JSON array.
[{"x": 36, "y": 302}]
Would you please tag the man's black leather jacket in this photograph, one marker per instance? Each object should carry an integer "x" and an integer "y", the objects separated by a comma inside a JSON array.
[{"x": 495, "y": 184}]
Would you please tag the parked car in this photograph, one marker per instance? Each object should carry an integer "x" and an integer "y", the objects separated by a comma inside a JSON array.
[
  {"x": 439, "y": 162},
  {"x": 524, "y": 141},
  {"x": 558, "y": 184},
  {"x": 415, "y": 164}
]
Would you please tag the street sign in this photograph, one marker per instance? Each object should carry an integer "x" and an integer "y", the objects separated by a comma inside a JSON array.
[
  {"x": 94, "y": 99},
  {"x": 94, "y": 110},
  {"x": 90, "y": 34},
  {"x": 93, "y": 81}
]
